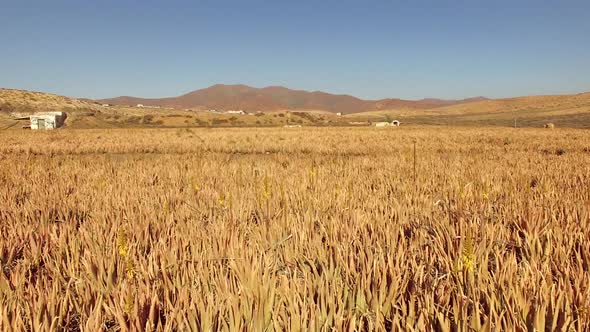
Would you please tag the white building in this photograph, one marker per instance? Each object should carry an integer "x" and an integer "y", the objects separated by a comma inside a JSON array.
[
  {"x": 394, "y": 123},
  {"x": 382, "y": 124},
  {"x": 339, "y": 114},
  {"x": 47, "y": 120},
  {"x": 236, "y": 112},
  {"x": 139, "y": 105}
]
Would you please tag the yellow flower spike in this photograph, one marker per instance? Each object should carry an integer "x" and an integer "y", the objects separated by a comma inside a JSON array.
[
  {"x": 122, "y": 243},
  {"x": 468, "y": 258}
]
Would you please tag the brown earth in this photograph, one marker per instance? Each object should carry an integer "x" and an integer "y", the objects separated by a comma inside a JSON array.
[
  {"x": 530, "y": 111},
  {"x": 236, "y": 97}
]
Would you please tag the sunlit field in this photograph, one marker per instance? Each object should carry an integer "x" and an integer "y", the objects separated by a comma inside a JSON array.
[{"x": 313, "y": 229}]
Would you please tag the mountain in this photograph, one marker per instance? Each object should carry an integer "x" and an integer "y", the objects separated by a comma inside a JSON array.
[
  {"x": 274, "y": 98},
  {"x": 529, "y": 111}
]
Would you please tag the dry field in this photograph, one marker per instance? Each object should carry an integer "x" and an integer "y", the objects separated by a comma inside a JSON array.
[
  {"x": 572, "y": 111},
  {"x": 313, "y": 229}
]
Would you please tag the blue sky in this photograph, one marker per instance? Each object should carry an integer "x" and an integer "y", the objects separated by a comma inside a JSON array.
[{"x": 370, "y": 49}]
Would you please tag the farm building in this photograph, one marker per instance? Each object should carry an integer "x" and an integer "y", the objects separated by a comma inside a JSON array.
[
  {"x": 236, "y": 112},
  {"x": 382, "y": 124},
  {"x": 394, "y": 123},
  {"x": 48, "y": 120}
]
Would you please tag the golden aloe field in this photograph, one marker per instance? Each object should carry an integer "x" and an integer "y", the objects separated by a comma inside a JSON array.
[{"x": 306, "y": 229}]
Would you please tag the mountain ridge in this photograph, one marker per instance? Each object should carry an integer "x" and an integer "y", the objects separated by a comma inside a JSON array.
[{"x": 275, "y": 98}]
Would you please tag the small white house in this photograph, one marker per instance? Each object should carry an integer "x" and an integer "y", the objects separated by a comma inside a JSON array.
[
  {"x": 394, "y": 123},
  {"x": 382, "y": 124},
  {"x": 339, "y": 114},
  {"x": 47, "y": 120},
  {"x": 236, "y": 112},
  {"x": 139, "y": 105}
]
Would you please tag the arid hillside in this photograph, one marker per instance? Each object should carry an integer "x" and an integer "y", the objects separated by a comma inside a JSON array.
[
  {"x": 274, "y": 98},
  {"x": 531, "y": 111},
  {"x": 12, "y": 101},
  {"x": 85, "y": 114},
  {"x": 15, "y": 103}
]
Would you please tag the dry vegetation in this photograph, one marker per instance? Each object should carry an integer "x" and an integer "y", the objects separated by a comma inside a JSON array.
[
  {"x": 564, "y": 110},
  {"x": 295, "y": 229},
  {"x": 85, "y": 114},
  {"x": 21, "y": 101}
]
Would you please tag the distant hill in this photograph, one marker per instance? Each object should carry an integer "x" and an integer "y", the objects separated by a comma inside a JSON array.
[
  {"x": 529, "y": 111},
  {"x": 274, "y": 98},
  {"x": 428, "y": 103},
  {"x": 12, "y": 100}
]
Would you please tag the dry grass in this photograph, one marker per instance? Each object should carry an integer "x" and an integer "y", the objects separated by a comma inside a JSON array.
[
  {"x": 86, "y": 114},
  {"x": 26, "y": 101},
  {"x": 299, "y": 229},
  {"x": 564, "y": 111}
]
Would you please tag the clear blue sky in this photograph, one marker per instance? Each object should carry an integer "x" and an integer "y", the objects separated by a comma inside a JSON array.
[{"x": 371, "y": 49}]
